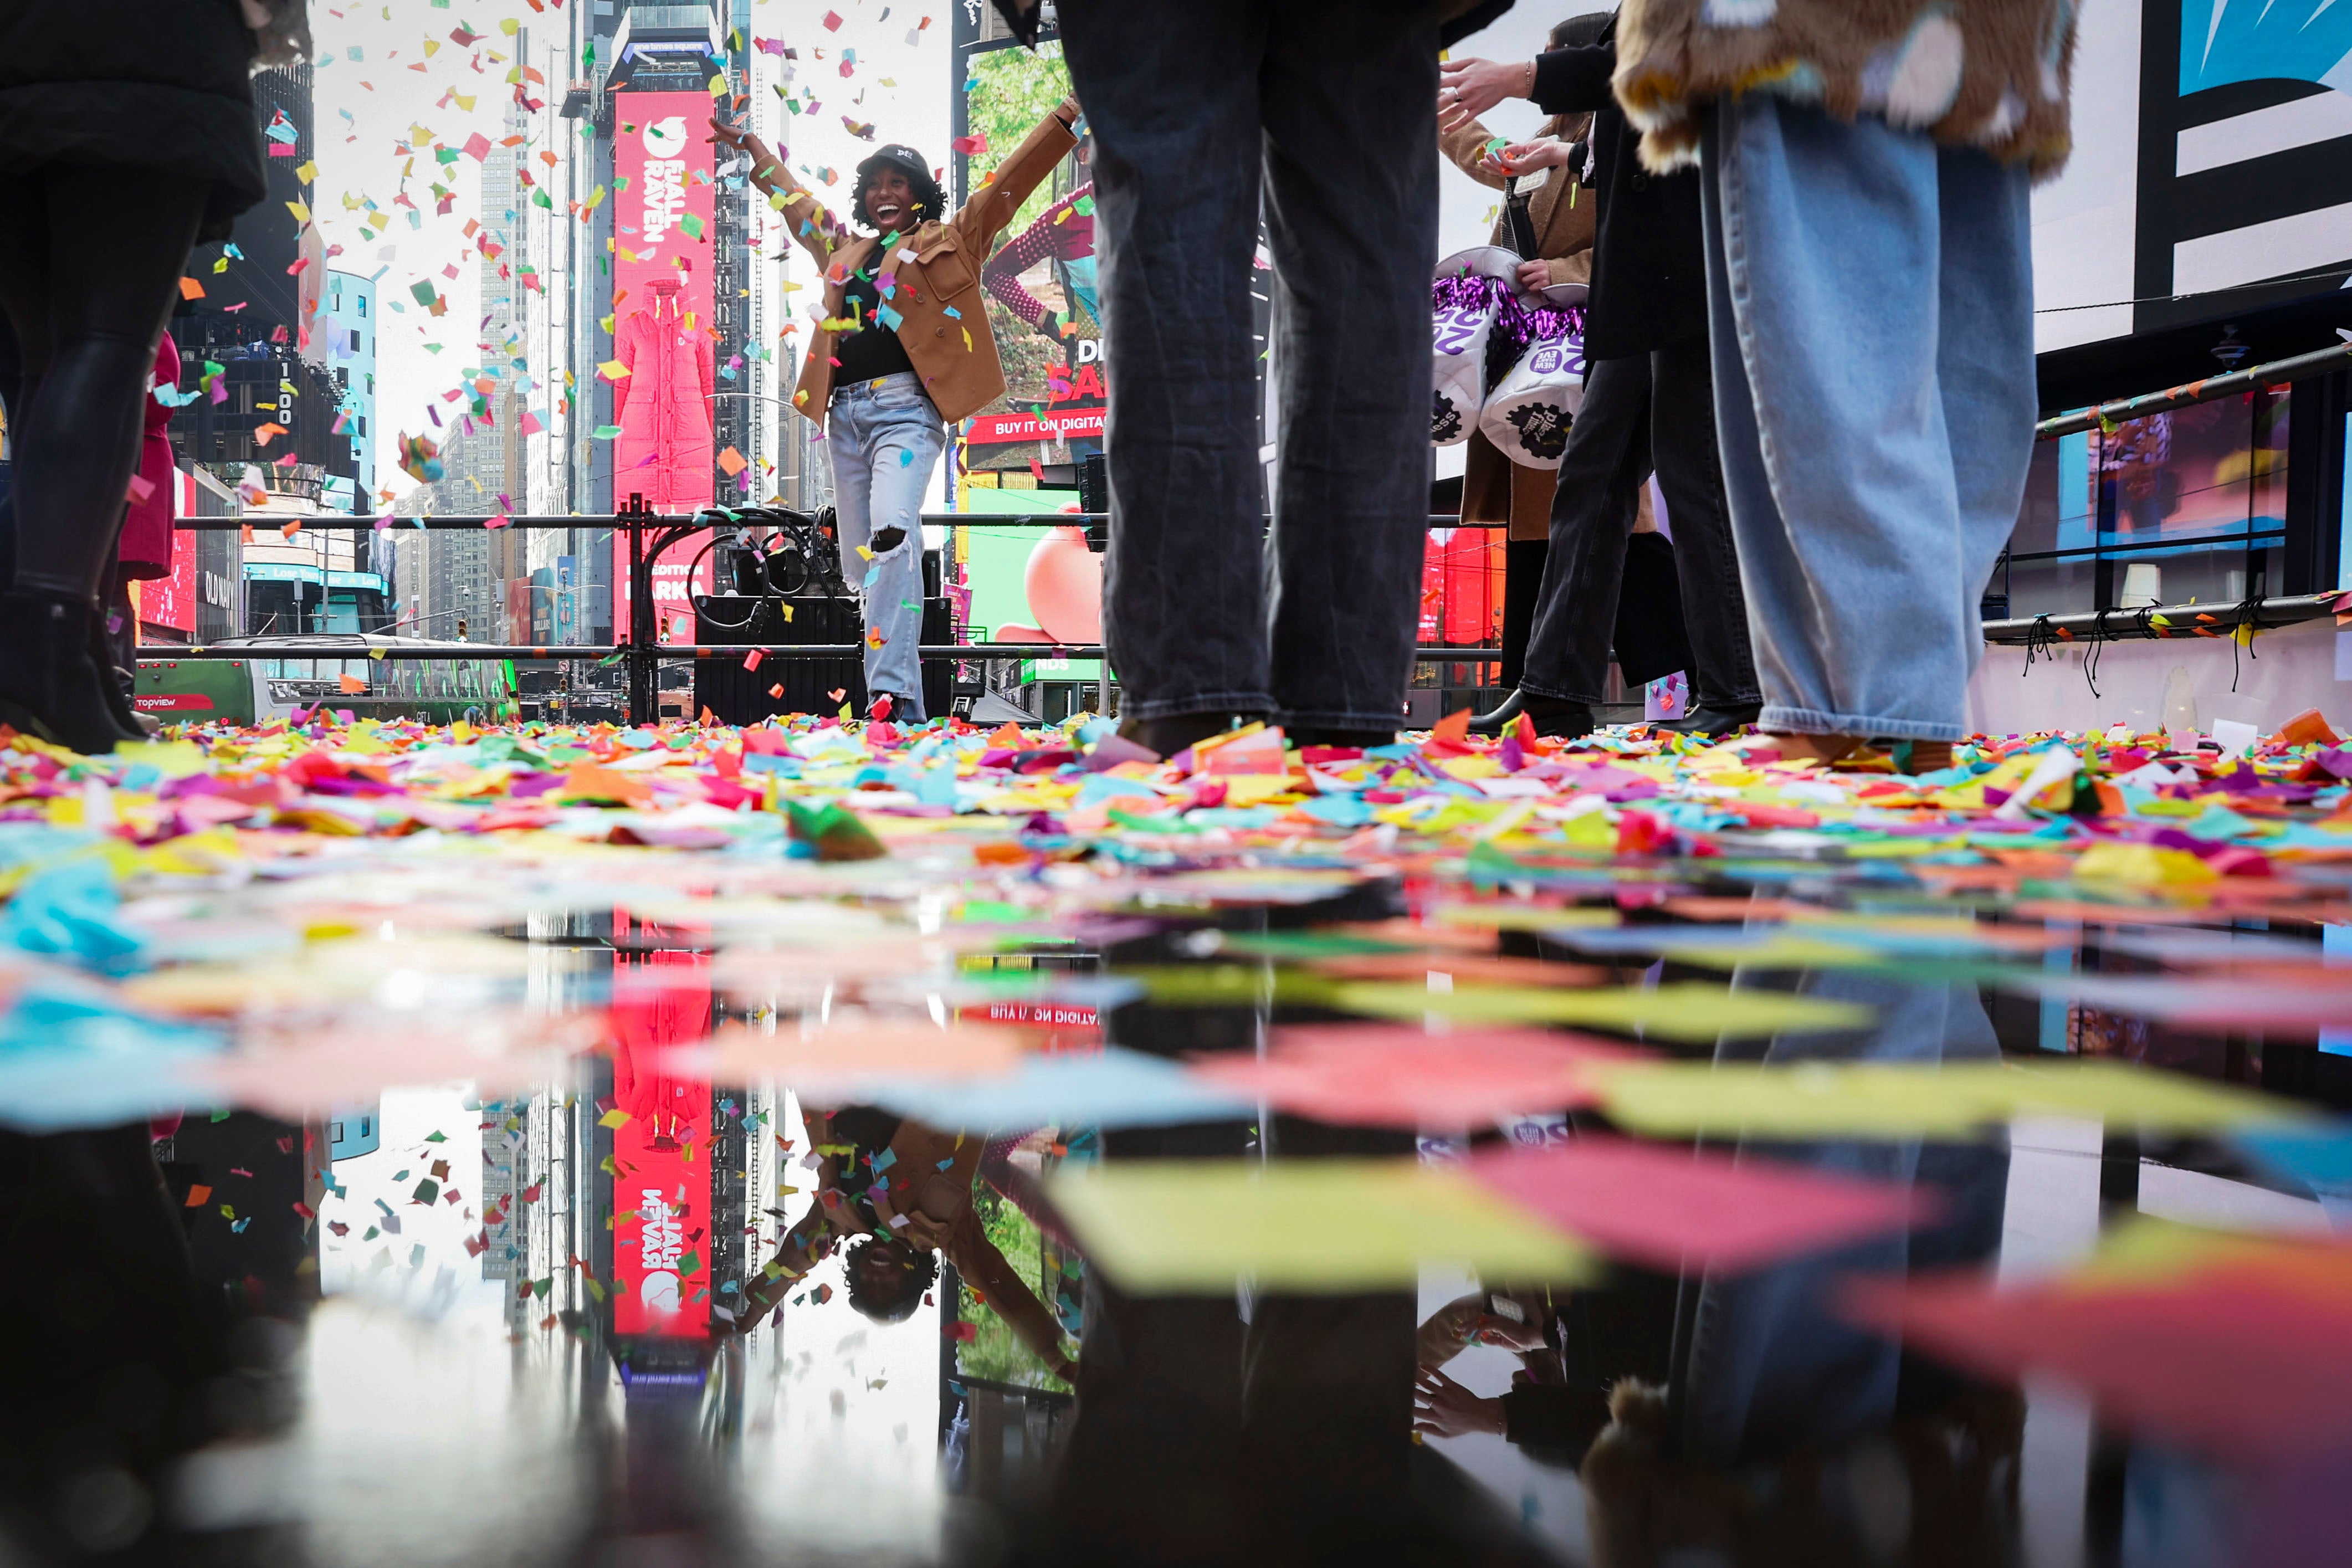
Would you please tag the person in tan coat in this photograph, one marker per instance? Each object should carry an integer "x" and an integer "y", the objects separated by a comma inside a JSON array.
[
  {"x": 903, "y": 1192},
  {"x": 1562, "y": 211},
  {"x": 1559, "y": 216},
  {"x": 903, "y": 347}
]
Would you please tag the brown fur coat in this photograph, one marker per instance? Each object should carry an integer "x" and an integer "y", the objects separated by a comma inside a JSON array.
[{"x": 1988, "y": 73}]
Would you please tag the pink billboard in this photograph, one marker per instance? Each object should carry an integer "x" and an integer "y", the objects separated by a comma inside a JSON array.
[
  {"x": 661, "y": 1149},
  {"x": 663, "y": 366},
  {"x": 171, "y": 601}
]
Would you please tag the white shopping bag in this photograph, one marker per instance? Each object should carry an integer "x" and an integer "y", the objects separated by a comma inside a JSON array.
[
  {"x": 1464, "y": 296},
  {"x": 1529, "y": 413}
]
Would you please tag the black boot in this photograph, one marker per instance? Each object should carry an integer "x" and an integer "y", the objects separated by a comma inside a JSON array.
[
  {"x": 120, "y": 710},
  {"x": 1712, "y": 721},
  {"x": 1175, "y": 732},
  {"x": 50, "y": 685},
  {"x": 1499, "y": 719},
  {"x": 1560, "y": 718}
]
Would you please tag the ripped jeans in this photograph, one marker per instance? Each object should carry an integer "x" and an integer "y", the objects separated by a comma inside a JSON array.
[{"x": 885, "y": 438}]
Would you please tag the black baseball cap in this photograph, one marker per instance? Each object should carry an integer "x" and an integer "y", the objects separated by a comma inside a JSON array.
[{"x": 909, "y": 162}]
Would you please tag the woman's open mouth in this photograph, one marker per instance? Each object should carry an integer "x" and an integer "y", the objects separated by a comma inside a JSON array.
[{"x": 887, "y": 213}]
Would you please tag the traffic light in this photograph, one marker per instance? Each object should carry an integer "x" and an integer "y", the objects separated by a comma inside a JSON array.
[{"x": 461, "y": 628}]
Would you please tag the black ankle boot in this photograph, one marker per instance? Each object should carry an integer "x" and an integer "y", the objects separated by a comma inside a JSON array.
[
  {"x": 1709, "y": 721},
  {"x": 1499, "y": 719},
  {"x": 1560, "y": 718},
  {"x": 120, "y": 710},
  {"x": 50, "y": 685}
]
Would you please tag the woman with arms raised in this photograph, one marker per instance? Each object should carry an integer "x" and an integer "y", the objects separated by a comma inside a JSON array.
[{"x": 904, "y": 347}]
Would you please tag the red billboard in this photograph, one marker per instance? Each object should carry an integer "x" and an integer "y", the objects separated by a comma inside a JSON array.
[
  {"x": 997, "y": 429},
  {"x": 171, "y": 601},
  {"x": 661, "y": 1149},
  {"x": 663, "y": 367}
]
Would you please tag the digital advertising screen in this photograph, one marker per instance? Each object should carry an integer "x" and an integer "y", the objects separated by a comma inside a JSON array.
[{"x": 663, "y": 369}]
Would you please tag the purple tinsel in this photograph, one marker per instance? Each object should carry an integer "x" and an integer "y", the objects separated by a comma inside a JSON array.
[
  {"x": 1515, "y": 321},
  {"x": 1524, "y": 324},
  {"x": 1465, "y": 292}
]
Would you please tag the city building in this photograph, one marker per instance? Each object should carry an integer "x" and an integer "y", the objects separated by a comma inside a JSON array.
[
  {"x": 350, "y": 323},
  {"x": 448, "y": 582}
]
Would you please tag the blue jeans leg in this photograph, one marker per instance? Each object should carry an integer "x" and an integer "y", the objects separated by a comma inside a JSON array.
[
  {"x": 884, "y": 449},
  {"x": 1870, "y": 301}
]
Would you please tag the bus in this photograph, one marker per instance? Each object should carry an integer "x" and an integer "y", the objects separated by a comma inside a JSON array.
[{"x": 261, "y": 685}]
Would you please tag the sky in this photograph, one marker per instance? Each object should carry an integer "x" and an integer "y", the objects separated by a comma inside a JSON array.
[{"x": 366, "y": 54}]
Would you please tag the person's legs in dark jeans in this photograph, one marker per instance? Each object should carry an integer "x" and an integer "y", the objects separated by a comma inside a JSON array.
[
  {"x": 87, "y": 294},
  {"x": 1348, "y": 97},
  {"x": 1592, "y": 511},
  {"x": 1192, "y": 106},
  {"x": 1326, "y": 1380},
  {"x": 1690, "y": 471},
  {"x": 1171, "y": 97}
]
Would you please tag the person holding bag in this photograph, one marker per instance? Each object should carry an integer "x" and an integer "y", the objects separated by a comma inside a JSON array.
[
  {"x": 903, "y": 347},
  {"x": 1649, "y": 396},
  {"x": 1548, "y": 220}
]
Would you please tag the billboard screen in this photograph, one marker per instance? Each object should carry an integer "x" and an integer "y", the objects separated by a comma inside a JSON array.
[
  {"x": 171, "y": 601},
  {"x": 661, "y": 1151},
  {"x": 665, "y": 201},
  {"x": 2211, "y": 170}
]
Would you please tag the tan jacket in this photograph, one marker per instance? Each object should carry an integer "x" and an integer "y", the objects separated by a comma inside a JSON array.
[
  {"x": 1563, "y": 225},
  {"x": 937, "y": 271},
  {"x": 1495, "y": 489}
]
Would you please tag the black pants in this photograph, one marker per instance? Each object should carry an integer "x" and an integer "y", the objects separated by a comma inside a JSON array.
[
  {"x": 1523, "y": 566},
  {"x": 1642, "y": 409},
  {"x": 90, "y": 261},
  {"x": 1329, "y": 107}
]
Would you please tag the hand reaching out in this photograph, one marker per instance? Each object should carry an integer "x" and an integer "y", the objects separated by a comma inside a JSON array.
[
  {"x": 1476, "y": 86},
  {"x": 1526, "y": 157},
  {"x": 741, "y": 139},
  {"x": 1443, "y": 1408}
]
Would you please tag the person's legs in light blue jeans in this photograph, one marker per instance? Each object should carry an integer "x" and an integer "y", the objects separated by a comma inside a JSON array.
[
  {"x": 1871, "y": 302},
  {"x": 885, "y": 437}
]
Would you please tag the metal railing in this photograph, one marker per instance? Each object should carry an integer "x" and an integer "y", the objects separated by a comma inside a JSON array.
[
  {"x": 2257, "y": 612},
  {"x": 2319, "y": 361},
  {"x": 650, "y": 535}
]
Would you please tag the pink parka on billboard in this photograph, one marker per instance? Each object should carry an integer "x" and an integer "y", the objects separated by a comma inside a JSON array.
[{"x": 663, "y": 403}]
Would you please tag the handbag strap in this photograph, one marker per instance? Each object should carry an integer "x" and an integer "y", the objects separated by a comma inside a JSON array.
[{"x": 1521, "y": 220}]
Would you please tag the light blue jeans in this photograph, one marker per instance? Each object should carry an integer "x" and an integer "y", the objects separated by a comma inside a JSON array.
[
  {"x": 1871, "y": 303},
  {"x": 885, "y": 437}
]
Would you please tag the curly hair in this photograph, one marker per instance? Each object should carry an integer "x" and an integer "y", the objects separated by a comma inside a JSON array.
[
  {"x": 897, "y": 1303},
  {"x": 928, "y": 200}
]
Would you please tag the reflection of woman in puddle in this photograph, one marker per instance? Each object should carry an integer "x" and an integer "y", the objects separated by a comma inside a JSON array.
[{"x": 904, "y": 1191}]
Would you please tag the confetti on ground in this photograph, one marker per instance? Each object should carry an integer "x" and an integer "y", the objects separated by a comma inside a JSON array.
[{"x": 192, "y": 894}]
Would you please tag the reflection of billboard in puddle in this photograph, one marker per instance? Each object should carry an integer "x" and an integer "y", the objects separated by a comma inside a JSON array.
[{"x": 660, "y": 1165}]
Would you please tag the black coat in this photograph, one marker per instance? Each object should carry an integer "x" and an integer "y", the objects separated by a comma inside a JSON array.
[
  {"x": 159, "y": 84},
  {"x": 1649, "y": 260},
  {"x": 1456, "y": 20}
]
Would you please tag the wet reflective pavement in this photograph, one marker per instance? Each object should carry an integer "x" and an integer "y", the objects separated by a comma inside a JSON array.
[{"x": 387, "y": 1200}]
